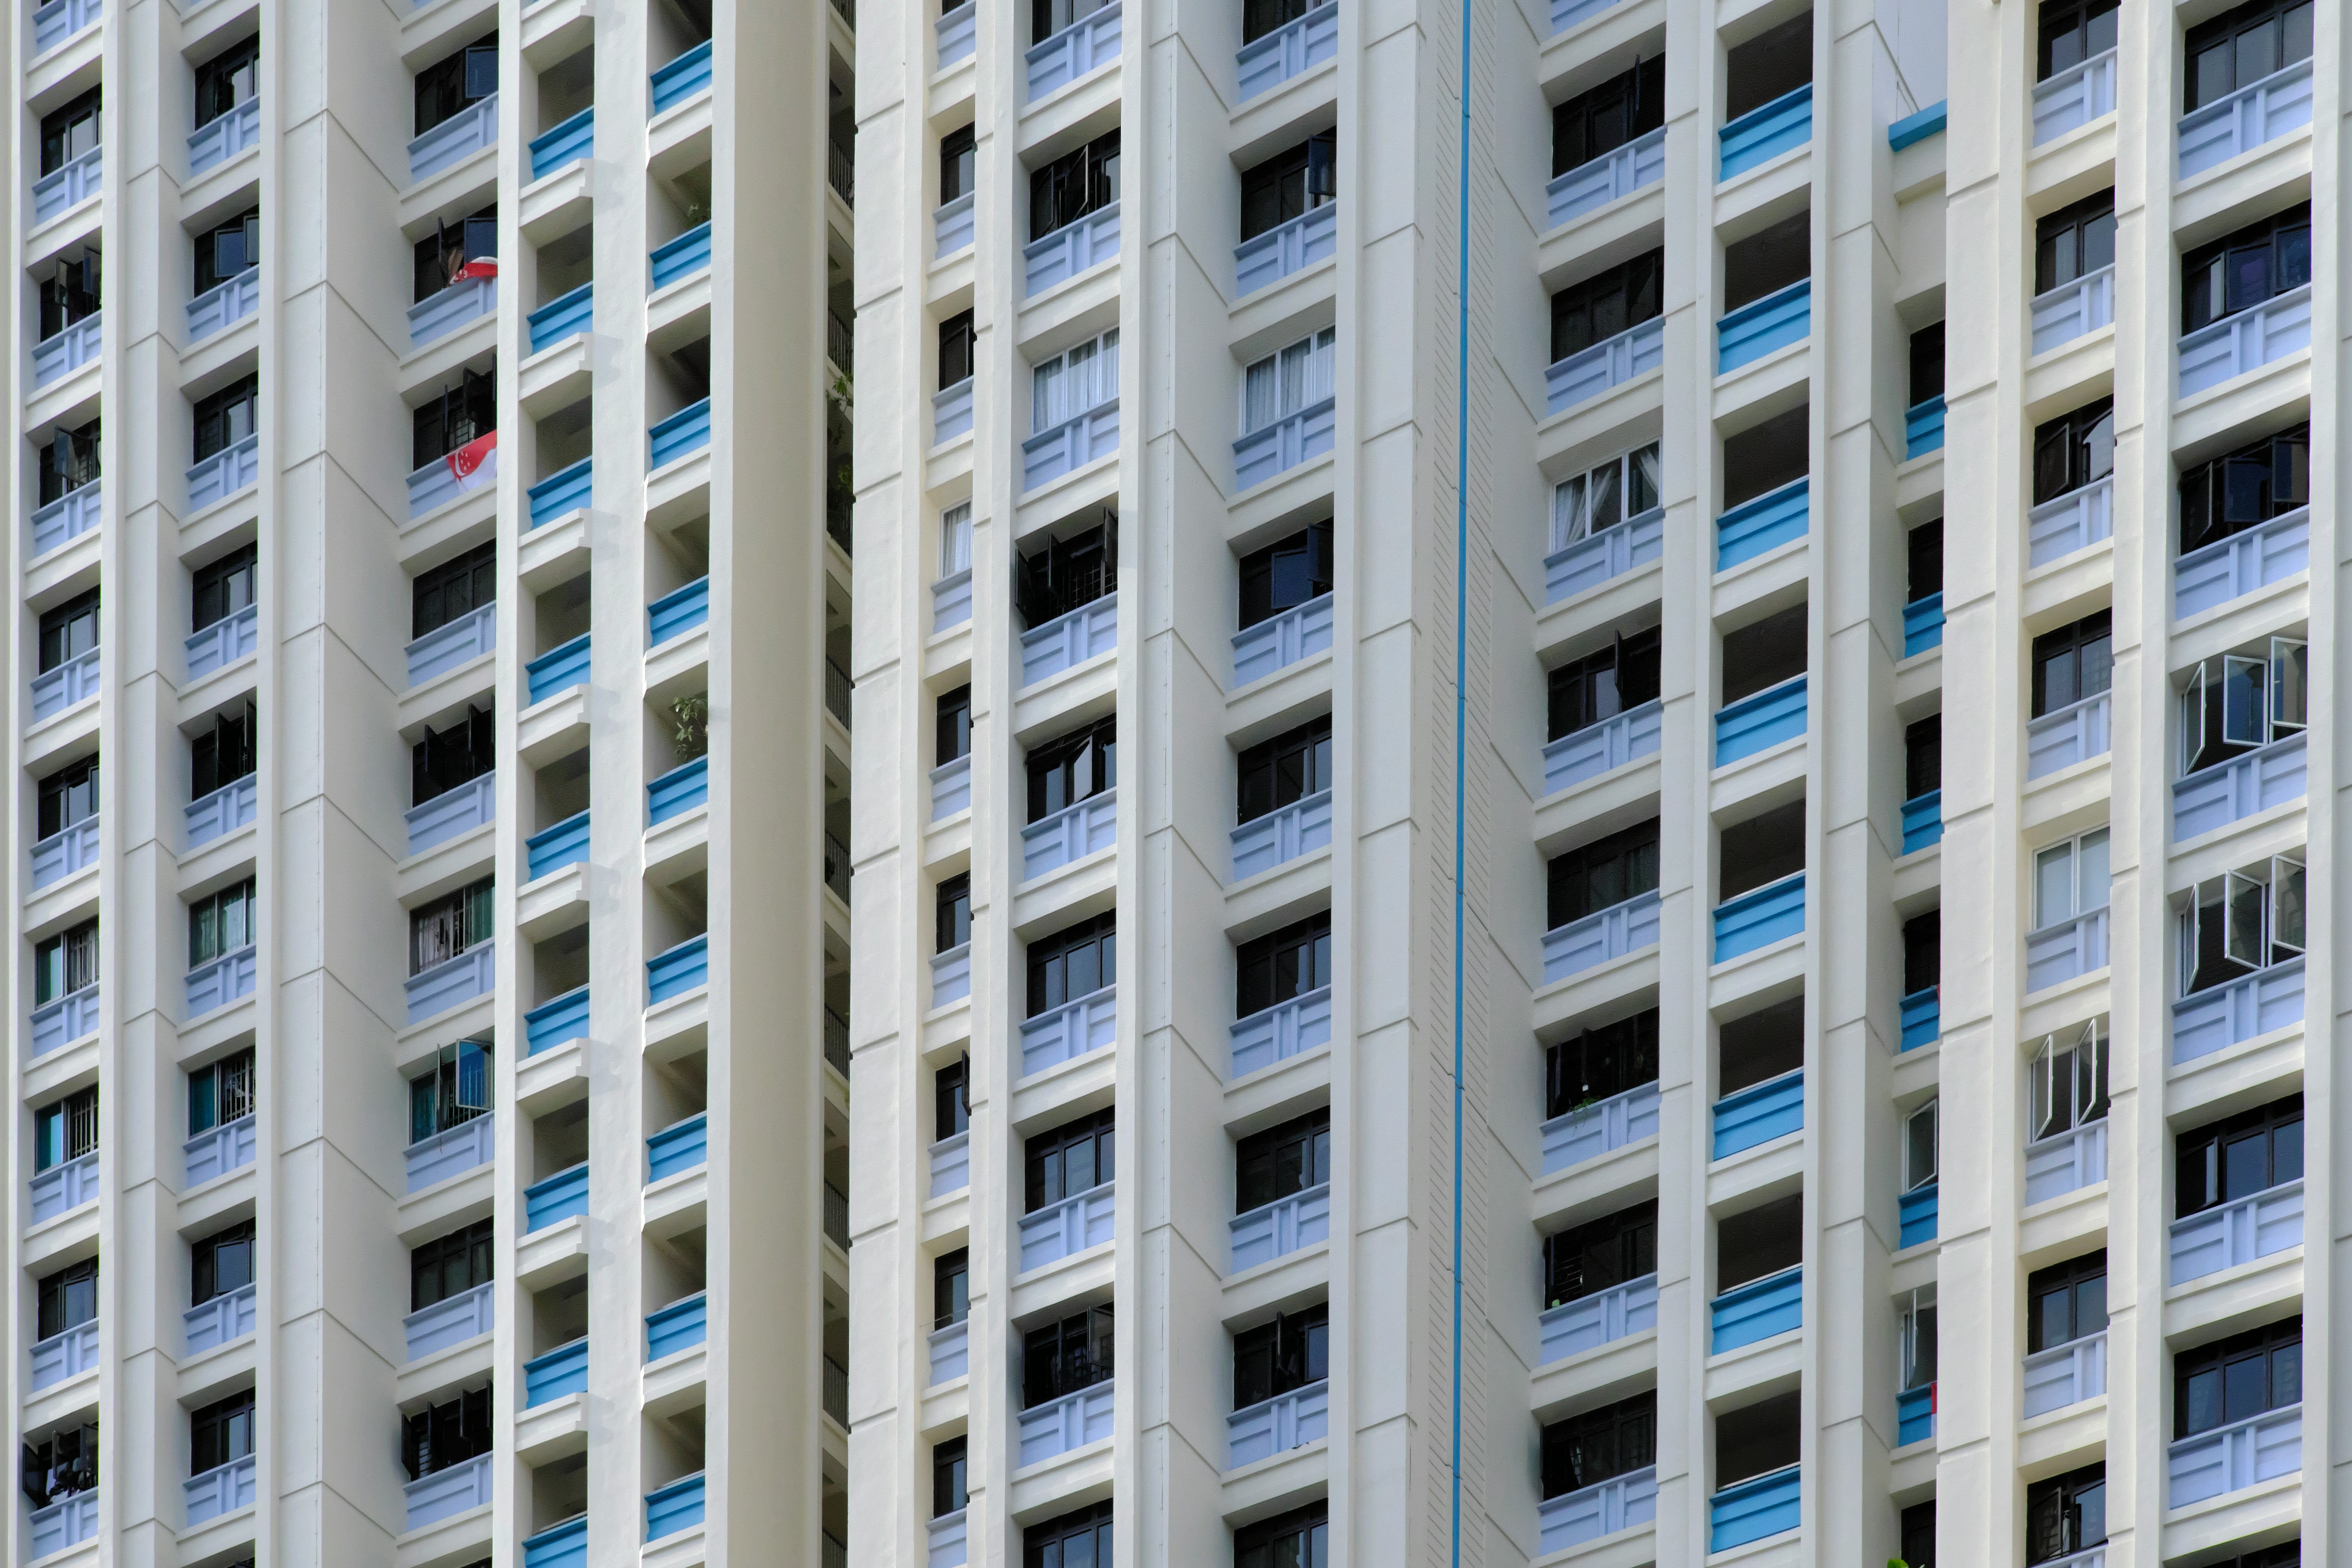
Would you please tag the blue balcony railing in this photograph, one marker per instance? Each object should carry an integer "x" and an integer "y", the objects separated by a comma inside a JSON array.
[
  {"x": 565, "y": 145},
  {"x": 1764, "y": 326},
  {"x": 1923, "y": 624},
  {"x": 1759, "y": 721},
  {"x": 565, "y": 316},
  {"x": 563, "y": 1546},
  {"x": 1923, "y": 427},
  {"x": 1754, "y": 1508},
  {"x": 1763, "y": 523},
  {"x": 1760, "y": 917},
  {"x": 560, "y": 1372},
  {"x": 674, "y": 1507},
  {"x": 1922, "y": 1018},
  {"x": 682, "y": 78},
  {"x": 1759, "y": 1114},
  {"x": 553, "y": 849},
  {"x": 1911, "y": 128},
  {"x": 1763, "y": 134},
  {"x": 1914, "y": 1216},
  {"x": 687, "y": 430},
  {"x": 678, "y": 971},
  {"x": 682, "y": 611},
  {"x": 551, "y": 1023},
  {"x": 1923, "y": 820},
  {"x": 1757, "y": 1310},
  {"x": 558, "y": 669},
  {"x": 678, "y": 1326},
  {"x": 678, "y": 791},
  {"x": 1915, "y": 1416},
  {"x": 681, "y": 1146},
  {"x": 564, "y": 490},
  {"x": 560, "y": 1197},
  {"x": 682, "y": 257}
]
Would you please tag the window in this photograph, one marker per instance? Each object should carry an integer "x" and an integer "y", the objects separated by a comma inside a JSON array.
[
  {"x": 1077, "y": 184},
  {"x": 1260, "y": 17},
  {"x": 947, "y": 1477},
  {"x": 1919, "y": 1535},
  {"x": 225, "y": 753},
  {"x": 1073, "y": 963},
  {"x": 220, "y": 1263},
  {"x": 2070, "y": 879},
  {"x": 1619, "y": 490},
  {"x": 441, "y": 256},
  {"x": 1922, "y": 953},
  {"x": 1757, "y": 1046},
  {"x": 1585, "y": 1450},
  {"x": 1917, "y": 1340},
  {"x": 2242, "y": 921},
  {"x": 1919, "y": 1148},
  {"x": 70, "y": 130},
  {"x": 2076, "y": 241},
  {"x": 448, "y": 86},
  {"x": 1606, "y": 304},
  {"x": 2236, "y": 50},
  {"x": 68, "y": 631},
  {"x": 1292, "y": 1352},
  {"x": 1597, "y": 875},
  {"x": 1925, "y": 548},
  {"x": 958, "y": 343},
  {"x": 1767, "y": 455},
  {"x": 1290, "y": 185},
  {"x": 958, "y": 157},
  {"x": 1757, "y": 1439},
  {"x": 1079, "y": 1540},
  {"x": 447, "y": 927},
  {"x": 951, "y": 1100},
  {"x": 224, "y": 587},
  {"x": 1072, "y": 768},
  {"x": 1764, "y": 653},
  {"x": 1299, "y": 1538},
  {"x": 2072, "y": 31},
  {"x": 1047, "y": 17},
  {"x": 1596, "y": 1064},
  {"x": 951, "y": 1288},
  {"x": 1768, "y": 260},
  {"x": 227, "y": 249},
  {"x": 952, "y": 736},
  {"x": 68, "y": 796},
  {"x": 453, "y": 758},
  {"x": 453, "y": 1089},
  {"x": 1282, "y": 1162},
  {"x": 61, "y": 1465},
  {"x": 2249, "y": 268},
  {"x": 1771, "y": 65},
  {"x": 65, "y": 963},
  {"x": 952, "y": 911},
  {"x": 228, "y": 417},
  {"x": 1064, "y": 1357},
  {"x": 2074, "y": 663},
  {"x": 1284, "y": 770},
  {"x": 2067, "y": 1301},
  {"x": 220, "y": 1433},
  {"x": 1075, "y": 1157},
  {"x": 2065, "y": 1514},
  {"x": 2238, "y": 1378},
  {"x": 1069, "y": 385},
  {"x": 441, "y": 1435},
  {"x": 221, "y": 923},
  {"x": 70, "y": 294},
  {"x": 1584, "y": 691},
  {"x": 1624, "y": 108},
  {"x": 220, "y": 1092},
  {"x": 2066, "y": 1085},
  {"x": 1927, "y": 364},
  {"x": 2074, "y": 450},
  {"x": 1758, "y": 852},
  {"x": 1922, "y": 757},
  {"x": 450, "y": 1265},
  {"x": 1285, "y": 575},
  {"x": 2236, "y": 702},
  {"x": 68, "y": 1299},
  {"x": 460, "y": 415},
  {"x": 69, "y": 459},
  {"x": 2245, "y": 489},
  {"x": 1288, "y": 381},
  {"x": 65, "y": 1130},
  {"x": 227, "y": 80},
  {"x": 1588, "y": 1259},
  {"x": 454, "y": 589},
  {"x": 2239, "y": 1156},
  {"x": 1282, "y": 965}
]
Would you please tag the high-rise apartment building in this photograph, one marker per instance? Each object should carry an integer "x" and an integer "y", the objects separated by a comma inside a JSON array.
[
  {"x": 1869, "y": 716},
  {"x": 434, "y": 532}
]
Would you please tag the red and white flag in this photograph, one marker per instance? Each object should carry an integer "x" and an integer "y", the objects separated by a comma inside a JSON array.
[
  {"x": 476, "y": 463},
  {"x": 479, "y": 266}
]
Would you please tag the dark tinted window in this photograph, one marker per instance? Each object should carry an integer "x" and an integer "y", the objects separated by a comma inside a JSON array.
[
  {"x": 2074, "y": 662},
  {"x": 70, "y": 130},
  {"x": 442, "y": 256},
  {"x": 449, "y": 1264},
  {"x": 1927, "y": 364},
  {"x": 1588, "y": 1258},
  {"x": 227, "y": 80},
  {"x": 2245, "y": 489},
  {"x": 227, "y": 249},
  {"x": 1073, "y": 768},
  {"x": 1606, "y": 871},
  {"x": 1758, "y": 1045},
  {"x": 1283, "y": 1356},
  {"x": 440, "y": 931},
  {"x": 1922, "y": 757},
  {"x": 220, "y": 1263},
  {"x": 1047, "y": 17},
  {"x": 950, "y": 1100},
  {"x": 1924, "y": 548},
  {"x": 1766, "y": 455},
  {"x": 70, "y": 292},
  {"x": 2235, "y": 1379},
  {"x": 951, "y": 1288},
  {"x": 448, "y": 1434},
  {"x": 2075, "y": 242},
  {"x": 1768, "y": 260},
  {"x": 1080, "y": 1540},
  {"x": 1584, "y": 691},
  {"x": 1771, "y": 65},
  {"x": 69, "y": 459},
  {"x": 1586, "y": 1449},
  {"x": 2065, "y": 1514},
  {"x": 1607, "y": 303},
  {"x": 1919, "y": 1535},
  {"x": 1271, "y": 1165},
  {"x": 228, "y": 417},
  {"x": 1599, "y": 1063},
  {"x": 65, "y": 1129},
  {"x": 68, "y": 796},
  {"x": 2072, "y": 31},
  {"x": 1284, "y": 770},
  {"x": 952, "y": 735},
  {"x": 1621, "y": 109},
  {"x": 2258, "y": 263},
  {"x": 1288, "y": 184},
  {"x": 1260, "y": 17},
  {"x": 1299, "y": 1538},
  {"x": 1923, "y": 952},
  {"x": 1073, "y": 963},
  {"x": 1286, "y": 574},
  {"x": 2240, "y": 1155},
  {"x": 68, "y": 1299},
  {"x": 460, "y": 414},
  {"x": 223, "y": 754},
  {"x": 2074, "y": 449},
  {"x": 2067, "y": 1301},
  {"x": 957, "y": 342},
  {"x": 220, "y": 1433},
  {"x": 959, "y": 150},
  {"x": 65, "y": 963},
  {"x": 1075, "y": 1157},
  {"x": 1067, "y": 573},
  {"x": 453, "y": 758},
  {"x": 442, "y": 593},
  {"x": 947, "y": 1477},
  {"x": 1762, "y": 654},
  {"x": 952, "y": 909},
  {"x": 1283, "y": 964},
  {"x": 1071, "y": 186},
  {"x": 2239, "y": 49},
  {"x": 1064, "y": 1357},
  {"x": 449, "y": 85},
  {"x": 223, "y": 587}
]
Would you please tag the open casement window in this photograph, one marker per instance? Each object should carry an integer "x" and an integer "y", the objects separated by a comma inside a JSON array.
[
  {"x": 1918, "y": 1368},
  {"x": 2067, "y": 1084},
  {"x": 2242, "y": 922},
  {"x": 1919, "y": 1131},
  {"x": 2070, "y": 879},
  {"x": 1620, "y": 490},
  {"x": 2237, "y": 702}
]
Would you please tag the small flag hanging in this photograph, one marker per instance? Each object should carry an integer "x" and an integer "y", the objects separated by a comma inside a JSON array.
[{"x": 476, "y": 463}]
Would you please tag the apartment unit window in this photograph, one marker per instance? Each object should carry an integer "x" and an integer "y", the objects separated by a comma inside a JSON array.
[
  {"x": 951, "y": 1288},
  {"x": 65, "y": 963},
  {"x": 1596, "y": 1064},
  {"x": 1767, "y": 261},
  {"x": 1299, "y": 1538},
  {"x": 2075, "y": 241},
  {"x": 2238, "y": 1378},
  {"x": 1073, "y": 768},
  {"x": 2066, "y": 1085},
  {"x": 1923, "y": 549},
  {"x": 455, "y": 1088},
  {"x": 1073, "y": 963},
  {"x": 958, "y": 343},
  {"x": 2072, "y": 31},
  {"x": 451, "y": 757},
  {"x": 1282, "y": 1161},
  {"x": 1584, "y": 691},
  {"x": 441, "y": 1435},
  {"x": 69, "y": 461},
  {"x": 70, "y": 293},
  {"x": 2234, "y": 703},
  {"x": 2245, "y": 489},
  {"x": 1069, "y": 384},
  {"x": 228, "y": 417},
  {"x": 447, "y": 927},
  {"x": 227, "y": 249},
  {"x": 1919, "y": 1148},
  {"x": 220, "y": 1092},
  {"x": 1586, "y": 1259},
  {"x": 450, "y": 1265},
  {"x": 2070, "y": 878},
  {"x": 1622, "y": 489},
  {"x": 2242, "y": 921},
  {"x": 2074, "y": 450},
  {"x": 952, "y": 911},
  {"x": 220, "y": 1433},
  {"x": 1290, "y": 185},
  {"x": 1766, "y": 455},
  {"x": 70, "y": 130},
  {"x": 2067, "y": 1301},
  {"x": 2065, "y": 1514},
  {"x": 62, "y": 1465},
  {"x": 1597, "y": 875},
  {"x": 1923, "y": 952},
  {"x": 1282, "y": 965},
  {"x": 951, "y": 1100},
  {"x": 1917, "y": 1340},
  {"x": 443, "y": 254},
  {"x": 225, "y": 586},
  {"x": 948, "y": 1493},
  {"x": 1284, "y": 770},
  {"x": 2254, "y": 265},
  {"x": 1075, "y": 1157},
  {"x": 1285, "y": 575},
  {"x": 1292, "y": 1352},
  {"x": 223, "y": 754},
  {"x": 221, "y": 923},
  {"x": 68, "y": 1298},
  {"x": 227, "y": 80},
  {"x": 220, "y": 1263},
  {"x": 1773, "y": 64},
  {"x": 1764, "y": 653},
  {"x": 1760, "y": 1046},
  {"x": 952, "y": 734},
  {"x": 1068, "y": 573},
  {"x": 68, "y": 796},
  {"x": 1607, "y": 303},
  {"x": 958, "y": 159},
  {"x": 1077, "y": 184},
  {"x": 1621, "y": 109},
  {"x": 1287, "y": 381},
  {"x": 2240, "y": 1155},
  {"x": 2238, "y": 49},
  {"x": 451, "y": 85},
  {"x": 65, "y": 1129},
  {"x": 68, "y": 631},
  {"x": 462, "y": 413},
  {"x": 1927, "y": 363},
  {"x": 1077, "y": 1539},
  {"x": 1063, "y": 1357},
  {"x": 955, "y": 540},
  {"x": 1589, "y": 1448},
  {"x": 454, "y": 589},
  {"x": 2074, "y": 663},
  {"x": 1918, "y": 1534},
  {"x": 1922, "y": 757}
]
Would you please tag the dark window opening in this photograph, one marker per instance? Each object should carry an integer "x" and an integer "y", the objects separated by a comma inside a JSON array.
[
  {"x": 1608, "y": 303},
  {"x": 1077, "y": 184},
  {"x": 2245, "y": 489},
  {"x": 1758, "y": 1243},
  {"x": 1922, "y": 757},
  {"x": 1286, "y": 573},
  {"x": 1290, "y": 184},
  {"x": 65, "y": 963},
  {"x": 1768, "y": 260},
  {"x": 2234, "y": 51},
  {"x": 959, "y": 158},
  {"x": 2074, "y": 663},
  {"x": 459, "y": 415},
  {"x": 455, "y": 1089},
  {"x": 1292, "y": 1352},
  {"x": 1282, "y": 1161},
  {"x": 220, "y": 1263},
  {"x": 2238, "y": 1378},
  {"x": 1068, "y": 574},
  {"x": 1589, "y": 1448},
  {"x": 227, "y": 80},
  {"x": 444, "y": 256},
  {"x": 1588, "y": 1259},
  {"x": 450, "y": 85},
  {"x": 1601, "y": 874},
  {"x": 1299, "y": 1538},
  {"x": 224, "y": 587},
  {"x": 951, "y": 911},
  {"x": 951, "y": 1288},
  {"x": 65, "y": 1130},
  {"x": 2065, "y": 1514},
  {"x": 69, "y": 459},
  {"x": 1923, "y": 549},
  {"x": 952, "y": 734},
  {"x": 2075, "y": 242},
  {"x": 447, "y": 927},
  {"x": 68, "y": 1299},
  {"x": 1760, "y": 1046},
  {"x": 70, "y": 293},
  {"x": 2074, "y": 450},
  {"x": 450, "y": 1265},
  {"x": 68, "y": 796},
  {"x": 2067, "y": 1301},
  {"x": 225, "y": 753},
  {"x": 2247, "y": 268},
  {"x": 947, "y": 1477},
  {"x": 1765, "y": 457},
  {"x": 1757, "y": 1439},
  {"x": 1075, "y": 1157},
  {"x": 951, "y": 1100},
  {"x": 441, "y": 1435},
  {"x": 1073, "y": 768},
  {"x": 1762, "y": 654},
  {"x": 455, "y": 757},
  {"x": 1773, "y": 64},
  {"x": 2240, "y": 1155},
  {"x": 228, "y": 417},
  {"x": 1762, "y": 850},
  {"x": 454, "y": 589},
  {"x": 1596, "y": 1064},
  {"x": 1282, "y": 965},
  {"x": 62, "y": 1465},
  {"x": 1077, "y": 1540},
  {"x": 70, "y": 130},
  {"x": 2072, "y": 31},
  {"x": 1075, "y": 961},
  {"x": 227, "y": 249},
  {"x": 1284, "y": 770},
  {"x": 1927, "y": 364},
  {"x": 1624, "y": 108},
  {"x": 958, "y": 342},
  {"x": 1063, "y": 1357},
  {"x": 220, "y": 1433},
  {"x": 1923, "y": 952},
  {"x": 1584, "y": 691},
  {"x": 222, "y": 924}
]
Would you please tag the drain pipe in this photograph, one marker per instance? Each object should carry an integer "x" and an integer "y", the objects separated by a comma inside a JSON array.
[{"x": 1461, "y": 725}]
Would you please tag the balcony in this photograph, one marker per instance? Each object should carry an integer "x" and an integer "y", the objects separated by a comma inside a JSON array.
[
  {"x": 1069, "y": 446},
  {"x": 63, "y": 853},
  {"x": 68, "y": 1522},
  {"x": 73, "y": 682},
  {"x": 221, "y": 981},
  {"x": 1589, "y": 1131},
  {"x": 1763, "y": 523},
  {"x": 213, "y": 1153},
  {"x": 684, "y": 968},
  {"x": 451, "y": 475},
  {"x": 2065, "y": 1162},
  {"x": 69, "y": 516},
  {"x": 1061, "y": 1425},
  {"x": 452, "y": 982},
  {"x": 225, "y": 642},
  {"x": 951, "y": 601},
  {"x": 2240, "y": 344},
  {"x": 70, "y": 184},
  {"x": 1292, "y": 49},
  {"x": 1915, "y": 1216},
  {"x": 1087, "y": 1023},
  {"x": 950, "y": 1161},
  {"x": 1761, "y": 722},
  {"x": 562, "y": 1372},
  {"x": 2237, "y": 1233},
  {"x": 957, "y": 33},
  {"x": 444, "y": 1494},
  {"x": 1615, "y": 175},
  {"x": 1759, "y": 918},
  {"x": 562, "y": 1196},
  {"x": 1612, "y": 361},
  {"x": 1602, "y": 1318},
  {"x": 1280, "y": 836},
  {"x": 1068, "y": 641},
  {"x": 950, "y": 1352},
  {"x": 2073, "y": 98},
  {"x": 63, "y": 1187},
  {"x": 563, "y": 1545},
  {"x": 1280, "y": 1032},
  {"x": 1292, "y": 246},
  {"x": 1923, "y": 624},
  {"x": 225, "y": 472},
  {"x": 2228, "y": 568},
  {"x": 470, "y": 130},
  {"x": 565, "y": 491},
  {"x": 460, "y": 642},
  {"x": 678, "y": 791},
  {"x": 1278, "y": 447},
  {"x": 2232, "y": 1458},
  {"x": 555, "y": 1021},
  {"x": 951, "y": 411},
  {"x": 1751, "y": 1509},
  {"x": 468, "y": 1315},
  {"x": 1764, "y": 326},
  {"x": 1281, "y": 1228},
  {"x": 688, "y": 430},
  {"x": 2269, "y": 108},
  {"x": 557, "y": 671},
  {"x": 1069, "y": 835},
  {"x": 1758, "y": 1114},
  {"x": 681, "y": 1325},
  {"x": 452, "y": 1151},
  {"x": 1923, "y": 821},
  {"x": 66, "y": 352},
  {"x": 565, "y": 145},
  {"x": 1763, "y": 134},
  {"x": 687, "y": 76},
  {"x": 682, "y": 257},
  {"x": 70, "y": 1017},
  {"x": 1600, "y": 937},
  {"x": 1621, "y": 1502},
  {"x": 1604, "y": 556},
  {"x": 2066, "y": 1375},
  {"x": 60, "y": 20},
  {"x": 1920, "y": 1016},
  {"x": 452, "y": 813},
  {"x": 2074, "y": 310},
  {"x": 1923, "y": 427},
  {"x": 2066, "y": 950},
  {"x": 1073, "y": 249},
  {"x": 2072, "y": 734},
  {"x": 217, "y": 141},
  {"x": 1601, "y": 748},
  {"x": 838, "y": 691},
  {"x": 2075, "y": 521},
  {"x": 222, "y": 1490},
  {"x": 435, "y": 316},
  {"x": 1277, "y": 1426},
  {"x": 66, "y": 1355},
  {"x": 681, "y": 1146},
  {"x": 1076, "y": 50},
  {"x": 563, "y": 318},
  {"x": 1067, "y": 1228},
  {"x": 1915, "y": 1414},
  {"x": 950, "y": 788},
  {"x": 945, "y": 1542},
  {"x": 1280, "y": 641},
  {"x": 951, "y": 226},
  {"x": 553, "y": 849},
  {"x": 2247, "y": 1007},
  {"x": 2230, "y": 792},
  {"x": 674, "y": 1507}
]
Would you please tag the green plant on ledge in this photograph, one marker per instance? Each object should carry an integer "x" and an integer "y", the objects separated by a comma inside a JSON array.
[{"x": 690, "y": 729}]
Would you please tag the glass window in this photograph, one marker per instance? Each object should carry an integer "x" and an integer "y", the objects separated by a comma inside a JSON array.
[
  {"x": 1073, "y": 768},
  {"x": 70, "y": 292},
  {"x": 65, "y": 963},
  {"x": 1767, "y": 261},
  {"x": 221, "y": 1262},
  {"x": 2074, "y": 241},
  {"x": 1075, "y": 1157},
  {"x": 1299, "y": 1538},
  {"x": 452, "y": 84},
  {"x": 1586, "y": 1259},
  {"x": 461, "y": 414},
  {"x": 948, "y": 1493},
  {"x": 2074, "y": 450},
  {"x": 1769, "y": 66},
  {"x": 1073, "y": 963},
  {"x": 2070, "y": 878},
  {"x": 2065, "y": 1514},
  {"x": 1285, "y": 575},
  {"x": 1619, "y": 490},
  {"x": 1919, "y": 1148},
  {"x": 2067, "y": 1301},
  {"x": 1282, "y": 965},
  {"x": 448, "y": 1434},
  {"x": 2234, "y": 51},
  {"x": 1063, "y": 1357},
  {"x": 2238, "y": 702},
  {"x": 228, "y": 417},
  {"x": 1584, "y": 691},
  {"x": 1077, "y": 184},
  {"x": 2239, "y": 1156},
  {"x": 61, "y": 1465},
  {"x": 2067, "y": 1084},
  {"x": 453, "y": 758},
  {"x": 2245, "y": 489},
  {"x": 1922, "y": 757},
  {"x": 1585, "y": 1450},
  {"x": 221, "y": 923},
  {"x": 951, "y": 1100},
  {"x": 68, "y": 1299},
  {"x": 1068, "y": 574},
  {"x": 1260, "y": 17},
  {"x": 454, "y": 589},
  {"x": 2247, "y": 268},
  {"x": 1079, "y": 1540},
  {"x": 951, "y": 907},
  {"x": 65, "y": 1129},
  {"x": 225, "y": 586},
  {"x": 1922, "y": 953},
  {"x": 227, "y": 80},
  {"x": 447, "y": 927},
  {"x": 1282, "y": 1162},
  {"x": 1282, "y": 1357},
  {"x": 450, "y": 1265},
  {"x": 2242, "y": 922},
  {"x": 70, "y": 130},
  {"x": 2074, "y": 31},
  {"x": 69, "y": 459},
  {"x": 1608, "y": 303},
  {"x": 2238, "y": 1378},
  {"x": 220, "y": 1092},
  {"x": 1600, "y": 1063},
  {"x": 1604, "y": 872},
  {"x": 68, "y": 631},
  {"x": 1284, "y": 770},
  {"x": 445, "y": 257},
  {"x": 453, "y": 1089},
  {"x": 959, "y": 154},
  {"x": 951, "y": 1288},
  {"x": 1927, "y": 364},
  {"x": 1916, "y": 1368},
  {"x": 223, "y": 754},
  {"x": 1070, "y": 383},
  {"x": 1624, "y": 108},
  {"x": 1290, "y": 185},
  {"x": 1919, "y": 1535},
  {"x": 2074, "y": 663},
  {"x": 68, "y": 797},
  {"x": 227, "y": 249},
  {"x": 1288, "y": 381},
  {"x": 952, "y": 736},
  {"x": 958, "y": 343},
  {"x": 220, "y": 1433},
  {"x": 1924, "y": 547}
]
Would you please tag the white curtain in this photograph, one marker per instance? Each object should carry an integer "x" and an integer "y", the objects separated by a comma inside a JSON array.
[
  {"x": 1289, "y": 380},
  {"x": 955, "y": 538}
]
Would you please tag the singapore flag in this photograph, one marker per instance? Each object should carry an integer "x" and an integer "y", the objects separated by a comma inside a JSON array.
[
  {"x": 476, "y": 463},
  {"x": 479, "y": 266}
]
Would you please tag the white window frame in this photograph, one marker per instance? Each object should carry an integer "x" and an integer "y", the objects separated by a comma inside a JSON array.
[
  {"x": 1318, "y": 353},
  {"x": 2080, "y": 891},
  {"x": 2280, "y": 679},
  {"x": 955, "y": 538},
  {"x": 2083, "y": 1088},
  {"x": 1911, "y": 1310},
  {"x": 1571, "y": 525},
  {"x": 1913, "y": 1178},
  {"x": 1095, "y": 359}
]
